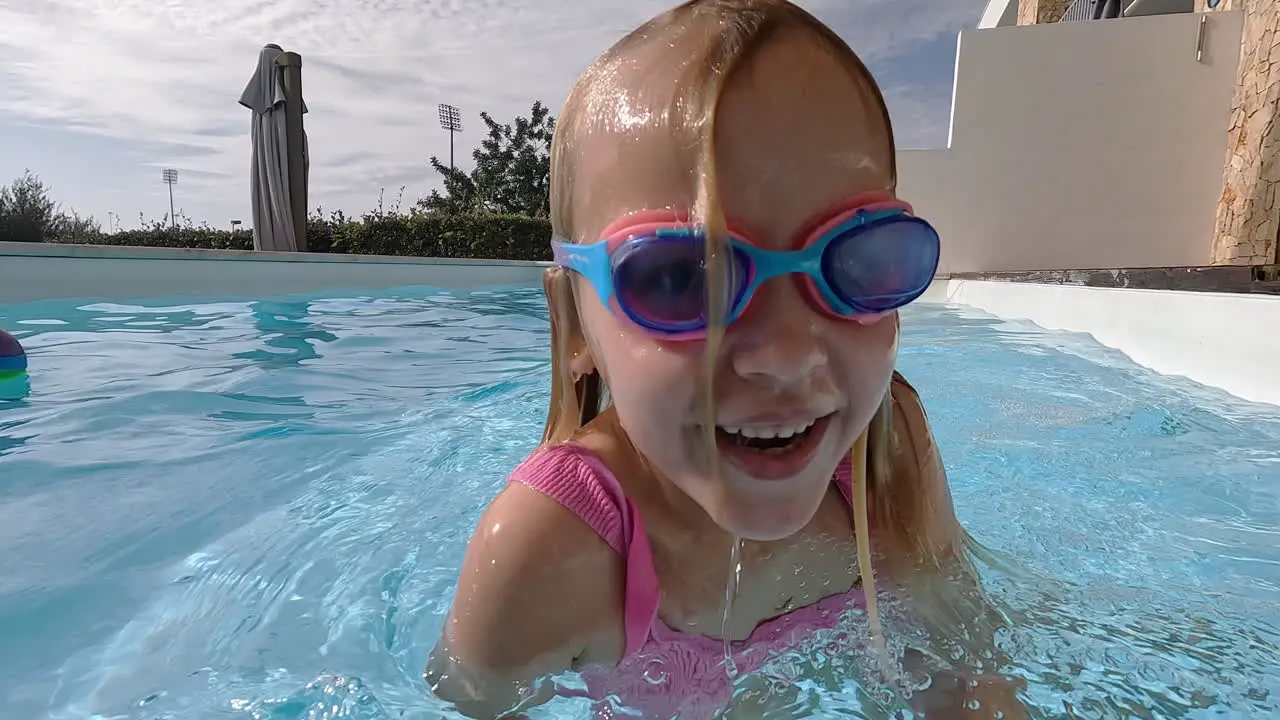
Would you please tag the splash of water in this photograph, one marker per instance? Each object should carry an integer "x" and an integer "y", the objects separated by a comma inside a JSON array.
[{"x": 731, "y": 594}]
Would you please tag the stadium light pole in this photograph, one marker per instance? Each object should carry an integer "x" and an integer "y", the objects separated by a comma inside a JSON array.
[
  {"x": 451, "y": 120},
  {"x": 171, "y": 178}
]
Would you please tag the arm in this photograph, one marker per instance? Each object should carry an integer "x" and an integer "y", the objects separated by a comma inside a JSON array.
[
  {"x": 939, "y": 537},
  {"x": 538, "y": 593}
]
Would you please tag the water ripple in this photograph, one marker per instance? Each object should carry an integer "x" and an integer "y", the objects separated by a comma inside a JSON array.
[{"x": 258, "y": 510}]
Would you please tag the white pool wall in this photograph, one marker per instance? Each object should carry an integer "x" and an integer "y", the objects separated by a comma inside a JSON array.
[{"x": 1225, "y": 340}]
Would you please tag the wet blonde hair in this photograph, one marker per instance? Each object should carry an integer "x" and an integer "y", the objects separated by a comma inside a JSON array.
[{"x": 728, "y": 34}]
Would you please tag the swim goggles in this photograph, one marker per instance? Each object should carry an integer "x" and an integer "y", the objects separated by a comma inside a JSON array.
[{"x": 870, "y": 258}]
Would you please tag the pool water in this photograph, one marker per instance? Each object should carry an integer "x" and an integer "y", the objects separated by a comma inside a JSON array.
[{"x": 257, "y": 509}]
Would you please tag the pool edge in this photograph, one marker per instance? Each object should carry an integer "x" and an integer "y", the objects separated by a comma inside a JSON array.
[
  {"x": 31, "y": 272},
  {"x": 1223, "y": 340}
]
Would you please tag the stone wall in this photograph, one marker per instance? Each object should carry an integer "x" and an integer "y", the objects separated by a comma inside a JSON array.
[
  {"x": 1248, "y": 219},
  {"x": 1040, "y": 12}
]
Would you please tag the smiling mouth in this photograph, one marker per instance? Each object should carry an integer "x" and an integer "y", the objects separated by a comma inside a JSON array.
[{"x": 775, "y": 440}]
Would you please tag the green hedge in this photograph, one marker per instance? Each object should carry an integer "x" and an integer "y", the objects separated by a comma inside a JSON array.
[{"x": 506, "y": 237}]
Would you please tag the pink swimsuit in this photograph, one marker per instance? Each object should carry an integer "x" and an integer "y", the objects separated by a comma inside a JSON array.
[{"x": 664, "y": 672}]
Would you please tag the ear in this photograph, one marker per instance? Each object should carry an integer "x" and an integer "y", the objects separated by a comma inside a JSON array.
[
  {"x": 569, "y": 342},
  {"x": 580, "y": 360},
  {"x": 581, "y": 356}
]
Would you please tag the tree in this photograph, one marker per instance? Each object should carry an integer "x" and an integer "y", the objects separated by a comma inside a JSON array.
[
  {"x": 70, "y": 227},
  {"x": 28, "y": 214},
  {"x": 460, "y": 194},
  {"x": 512, "y": 173}
]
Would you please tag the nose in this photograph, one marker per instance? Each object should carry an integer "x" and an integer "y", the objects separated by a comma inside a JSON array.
[{"x": 779, "y": 339}]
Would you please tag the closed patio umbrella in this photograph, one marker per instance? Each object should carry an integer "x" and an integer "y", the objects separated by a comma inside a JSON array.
[{"x": 279, "y": 206}]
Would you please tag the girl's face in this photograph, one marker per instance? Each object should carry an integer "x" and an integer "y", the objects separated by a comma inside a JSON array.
[{"x": 796, "y": 135}]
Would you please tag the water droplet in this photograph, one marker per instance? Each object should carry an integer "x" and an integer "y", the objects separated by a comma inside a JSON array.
[
  {"x": 973, "y": 705},
  {"x": 730, "y": 667},
  {"x": 730, "y": 594},
  {"x": 654, "y": 672}
]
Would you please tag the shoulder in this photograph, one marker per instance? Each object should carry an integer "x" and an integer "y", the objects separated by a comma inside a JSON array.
[
  {"x": 539, "y": 585},
  {"x": 580, "y": 482}
]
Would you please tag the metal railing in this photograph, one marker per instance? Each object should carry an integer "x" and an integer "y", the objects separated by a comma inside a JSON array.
[{"x": 1081, "y": 10}]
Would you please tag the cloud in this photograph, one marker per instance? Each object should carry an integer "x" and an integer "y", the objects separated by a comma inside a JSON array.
[{"x": 167, "y": 75}]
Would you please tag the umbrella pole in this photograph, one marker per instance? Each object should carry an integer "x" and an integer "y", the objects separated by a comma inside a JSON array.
[{"x": 294, "y": 143}]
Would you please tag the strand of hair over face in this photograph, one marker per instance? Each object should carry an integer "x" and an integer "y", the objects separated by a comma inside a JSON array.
[{"x": 747, "y": 28}]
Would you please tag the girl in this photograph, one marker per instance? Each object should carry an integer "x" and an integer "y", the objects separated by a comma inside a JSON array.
[{"x": 731, "y": 257}]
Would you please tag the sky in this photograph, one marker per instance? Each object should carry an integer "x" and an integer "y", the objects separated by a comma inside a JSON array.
[{"x": 98, "y": 96}]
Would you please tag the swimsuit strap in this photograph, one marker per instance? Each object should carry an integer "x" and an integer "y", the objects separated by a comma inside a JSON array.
[
  {"x": 844, "y": 479},
  {"x": 574, "y": 477}
]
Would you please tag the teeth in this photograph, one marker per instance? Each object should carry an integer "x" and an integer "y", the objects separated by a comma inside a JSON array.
[{"x": 768, "y": 433}]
